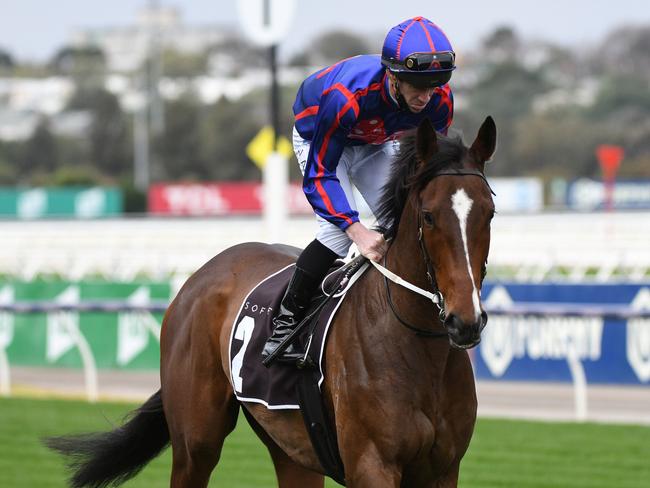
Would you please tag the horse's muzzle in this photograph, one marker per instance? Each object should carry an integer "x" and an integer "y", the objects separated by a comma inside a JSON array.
[{"x": 463, "y": 335}]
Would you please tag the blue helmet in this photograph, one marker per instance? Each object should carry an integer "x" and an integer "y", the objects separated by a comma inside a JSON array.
[{"x": 418, "y": 52}]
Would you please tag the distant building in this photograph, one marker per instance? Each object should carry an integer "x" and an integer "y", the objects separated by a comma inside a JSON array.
[
  {"x": 19, "y": 125},
  {"x": 24, "y": 101},
  {"x": 127, "y": 47}
]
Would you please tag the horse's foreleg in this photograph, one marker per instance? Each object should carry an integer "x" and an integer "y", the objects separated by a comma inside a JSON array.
[
  {"x": 450, "y": 478},
  {"x": 378, "y": 477},
  {"x": 292, "y": 475},
  {"x": 369, "y": 470}
]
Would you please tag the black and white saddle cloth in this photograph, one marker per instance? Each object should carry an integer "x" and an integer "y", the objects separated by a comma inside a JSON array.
[{"x": 275, "y": 386}]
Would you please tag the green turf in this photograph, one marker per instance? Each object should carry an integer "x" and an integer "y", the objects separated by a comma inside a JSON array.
[{"x": 502, "y": 453}]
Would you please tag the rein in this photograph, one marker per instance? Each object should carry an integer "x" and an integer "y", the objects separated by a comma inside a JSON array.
[{"x": 435, "y": 296}]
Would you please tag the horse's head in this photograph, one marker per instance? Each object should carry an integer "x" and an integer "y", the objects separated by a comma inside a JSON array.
[{"x": 455, "y": 210}]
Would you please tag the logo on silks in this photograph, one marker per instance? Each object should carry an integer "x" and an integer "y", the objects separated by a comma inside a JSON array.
[
  {"x": 133, "y": 328},
  {"x": 638, "y": 337},
  {"x": 370, "y": 130},
  {"x": 62, "y": 327},
  {"x": 510, "y": 337},
  {"x": 6, "y": 318}
]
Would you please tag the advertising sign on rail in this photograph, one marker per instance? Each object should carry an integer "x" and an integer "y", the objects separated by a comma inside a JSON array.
[
  {"x": 586, "y": 194},
  {"x": 526, "y": 347},
  {"x": 523, "y": 347},
  {"x": 524, "y": 195},
  {"x": 123, "y": 340},
  {"x": 240, "y": 198},
  {"x": 77, "y": 202}
]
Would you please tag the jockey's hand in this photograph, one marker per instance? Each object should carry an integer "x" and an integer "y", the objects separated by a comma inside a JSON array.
[{"x": 369, "y": 242}]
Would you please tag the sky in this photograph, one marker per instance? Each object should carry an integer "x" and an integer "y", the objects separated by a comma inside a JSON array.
[{"x": 35, "y": 29}]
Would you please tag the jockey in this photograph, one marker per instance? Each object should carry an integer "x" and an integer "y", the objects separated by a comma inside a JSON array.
[{"x": 348, "y": 118}]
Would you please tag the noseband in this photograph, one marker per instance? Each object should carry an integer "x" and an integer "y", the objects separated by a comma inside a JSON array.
[{"x": 437, "y": 299}]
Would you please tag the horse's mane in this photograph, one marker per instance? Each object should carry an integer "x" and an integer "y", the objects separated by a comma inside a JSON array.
[{"x": 408, "y": 175}]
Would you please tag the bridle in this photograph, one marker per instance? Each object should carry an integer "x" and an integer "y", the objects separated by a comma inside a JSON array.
[{"x": 435, "y": 295}]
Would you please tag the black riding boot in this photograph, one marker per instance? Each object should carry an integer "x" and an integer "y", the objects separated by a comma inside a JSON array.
[
  {"x": 311, "y": 268},
  {"x": 292, "y": 310}
]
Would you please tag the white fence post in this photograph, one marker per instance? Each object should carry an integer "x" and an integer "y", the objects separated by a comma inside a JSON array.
[
  {"x": 6, "y": 337},
  {"x": 579, "y": 385}
]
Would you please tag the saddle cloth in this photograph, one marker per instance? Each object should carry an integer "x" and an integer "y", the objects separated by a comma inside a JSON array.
[{"x": 274, "y": 387}]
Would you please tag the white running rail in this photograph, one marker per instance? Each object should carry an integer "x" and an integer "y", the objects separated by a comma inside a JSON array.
[{"x": 598, "y": 247}]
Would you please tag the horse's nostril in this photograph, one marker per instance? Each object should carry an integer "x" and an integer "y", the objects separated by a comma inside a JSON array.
[
  {"x": 484, "y": 320},
  {"x": 476, "y": 327},
  {"x": 453, "y": 323},
  {"x": 464, "y": 335}
]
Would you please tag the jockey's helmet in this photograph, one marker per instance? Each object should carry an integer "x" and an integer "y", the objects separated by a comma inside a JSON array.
[{"x": 418, "y": 52}]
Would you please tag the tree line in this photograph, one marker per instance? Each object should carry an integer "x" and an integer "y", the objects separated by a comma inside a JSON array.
[{"x": 551, "y": 112}]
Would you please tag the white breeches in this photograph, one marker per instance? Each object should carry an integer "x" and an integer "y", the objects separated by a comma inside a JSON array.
[{"x": 365, "y": 168}]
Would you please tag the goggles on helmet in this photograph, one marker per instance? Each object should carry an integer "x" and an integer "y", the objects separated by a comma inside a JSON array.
[
  {"x": 422, "y": 62},
  {"x": 425, "y": 80}
]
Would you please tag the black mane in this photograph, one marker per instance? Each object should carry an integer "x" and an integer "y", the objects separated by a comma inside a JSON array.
[{"x": 406, "y": 176}]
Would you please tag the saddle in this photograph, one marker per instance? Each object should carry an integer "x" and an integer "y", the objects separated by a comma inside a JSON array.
[{"x": 285, "y": 387}]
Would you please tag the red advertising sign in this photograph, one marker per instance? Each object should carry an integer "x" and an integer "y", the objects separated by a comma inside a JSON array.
[
  {"x": 239, "y": 198},
  {"x": 610, "y": 158}
]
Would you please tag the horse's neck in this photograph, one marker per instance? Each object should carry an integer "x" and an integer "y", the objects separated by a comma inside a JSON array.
[{"x": 373, "y": 344}]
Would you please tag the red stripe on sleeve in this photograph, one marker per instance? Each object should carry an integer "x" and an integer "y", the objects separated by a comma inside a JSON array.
[
  {"x": 313, "y": 110},
  {"x": 364, "y": 91},
  {"x": 348, "y": 95},
  {"x": 352, "y": 103}
]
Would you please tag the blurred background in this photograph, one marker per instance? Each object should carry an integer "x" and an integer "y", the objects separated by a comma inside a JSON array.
[
  {"x": 133, "y": 137},
  {"x": 88, "y": 93}
]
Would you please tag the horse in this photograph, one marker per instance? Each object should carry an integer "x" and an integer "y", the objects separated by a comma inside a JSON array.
[{"x": 399, "y": 388}]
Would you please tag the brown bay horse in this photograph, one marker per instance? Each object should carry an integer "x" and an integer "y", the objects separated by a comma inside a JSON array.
[{"x": 403, "y": 405}]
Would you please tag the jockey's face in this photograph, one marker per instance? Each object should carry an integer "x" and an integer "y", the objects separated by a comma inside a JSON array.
[{"x": 416, "y": 98}]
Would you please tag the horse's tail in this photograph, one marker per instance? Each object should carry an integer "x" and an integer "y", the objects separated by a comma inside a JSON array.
[{"x": 100, "y": 459}]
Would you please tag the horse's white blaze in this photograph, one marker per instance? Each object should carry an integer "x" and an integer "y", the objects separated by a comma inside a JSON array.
[{"x": 461, "y": 205}]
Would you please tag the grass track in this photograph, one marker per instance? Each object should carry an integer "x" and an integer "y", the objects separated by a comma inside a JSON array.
[{"x": 503, "y": 453}]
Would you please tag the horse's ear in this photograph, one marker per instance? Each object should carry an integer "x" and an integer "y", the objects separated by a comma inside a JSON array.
[
  {"x": 426, "y": 141},
  {"x": 485, "y": 143}
]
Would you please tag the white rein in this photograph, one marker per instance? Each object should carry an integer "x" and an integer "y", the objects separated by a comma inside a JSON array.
[{"x": 434, "y": 297}]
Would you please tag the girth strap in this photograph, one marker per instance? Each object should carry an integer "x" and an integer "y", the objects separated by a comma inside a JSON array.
[{"x": 319, "y": 427}]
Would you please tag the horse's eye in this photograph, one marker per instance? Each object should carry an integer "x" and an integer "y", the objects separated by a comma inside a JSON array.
[{"x": 427, "y": 218}]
